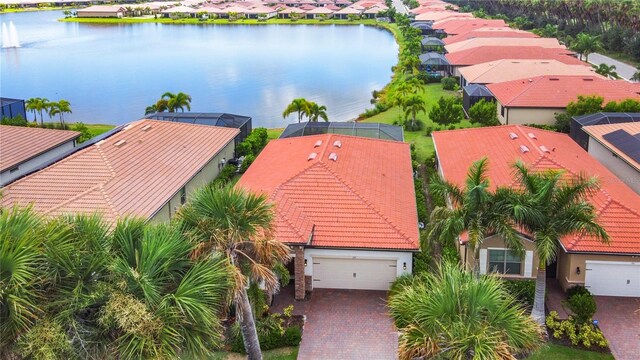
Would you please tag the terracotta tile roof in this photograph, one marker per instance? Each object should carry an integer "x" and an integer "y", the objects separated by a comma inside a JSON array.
[
  {"x": 515, "y": 69},
  {"x": 461, "y": 26},
  {"x": 483, "y": 54},
  {"x": 133, "y": 172},
  {"x": 19, "y": 144},
  {"x": 364, "y": 199},
  {"x": 489, "y": 32},
  {"x": 556, "y": 91},
  {"x": 598, "y": 131},
  {"x": 618, "y": 206},
  {"x": 503, "y": 41},
  {"x": 425, "y": 13}
]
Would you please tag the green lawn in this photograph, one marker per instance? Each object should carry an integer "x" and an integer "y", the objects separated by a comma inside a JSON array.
[
  {"x": 274, "y": 133},
  {"x": 424, "y": 144},
  {"x": 97, "y": 129},
  {"x": 286, "y": 353},
  {"x": 559, "y": 352}
]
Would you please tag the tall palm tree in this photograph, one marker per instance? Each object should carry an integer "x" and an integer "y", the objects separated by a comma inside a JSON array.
[
  {"x": 60, "y": 108},
  {"x": 40, "y": 105},
  {"x": 239, "y": 226},
  {"x": 607, "y": 70},
  {"x": 31, "y": 105},
  {"x": 412, "y": 106},
  {"x": 474, "y": 209},
  {"x": 550, "y": 208},
  {"x": 160, "y": 106},
  {"x": 177, "y": 101},
  {"x": 299, "y": 105},
  {"x": 315, "y": 112},
  {"x": 451, "y": 314}
]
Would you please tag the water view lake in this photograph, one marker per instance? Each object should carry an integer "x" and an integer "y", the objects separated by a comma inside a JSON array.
[{"x": 110, "y": 73}]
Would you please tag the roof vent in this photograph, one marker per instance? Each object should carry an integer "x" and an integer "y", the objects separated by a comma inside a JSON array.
[
  {"x": 524, "y": 149},
  {"x": 544, "y": 149},
  {"x": 513, "y": 135},
  {"x": 318, "y": 143},
  {"x": 544, "y": 62},
  {"x": 530, "y": 80},
  {"x": 532, "y": 135},
  {"x": 146, "y": 127},
  {"x": 587, "y": 79},
  {"x": 333, "y": 156},
  {"x": 312, "y": 156},
  {"x": 337, "y": 143},
  {"x": 554, "y": 79},
  {"x": 119, "y": 143}
]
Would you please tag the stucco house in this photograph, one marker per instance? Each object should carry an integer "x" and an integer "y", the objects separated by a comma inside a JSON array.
[
  {"x": 489, "y": 32},
  {"x": 102, "y": 11},
  {"x": 549, "y": 43},
  {"x": 344, "y": 204},
  {"x": 456, "y": 26},
  {"x": 537, "y": 100},
  {"x": 25, "y": 149},
  {"x": 605, "y": 269},
  {"x": 617, "y": 147},
  {"x": 147, "y": 169}
]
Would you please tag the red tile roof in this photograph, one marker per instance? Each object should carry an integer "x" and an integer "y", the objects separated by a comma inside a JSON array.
[
  {"x": 364, "y": 199},
  {"x": 556, "y": 91},
  {"x": 461, "y": 26},
  {"x": 617, "y": 206},
  {"x": 489, "y": 32},
  {"x": 133, "y": 172},
  {"x": 484, "y": 54},
  {"x": 19, "y": 144}
]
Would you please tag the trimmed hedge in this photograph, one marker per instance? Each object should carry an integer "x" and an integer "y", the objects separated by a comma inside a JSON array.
[
  {"x": 272, "y": 340},
  {"x": 523, "y": 290}
]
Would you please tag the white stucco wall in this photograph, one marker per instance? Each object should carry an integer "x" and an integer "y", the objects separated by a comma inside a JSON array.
[
  {"x": 34, "y": 163},
  {"x": 400, "y": 257},
  {"x": 623, "y": 170},
  {"x": 520, "y": 116}
]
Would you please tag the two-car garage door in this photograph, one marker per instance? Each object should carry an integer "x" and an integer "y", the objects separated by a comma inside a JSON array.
[
  {"x": 609, "y": 278},
  {"x": 346, "y": 273}
]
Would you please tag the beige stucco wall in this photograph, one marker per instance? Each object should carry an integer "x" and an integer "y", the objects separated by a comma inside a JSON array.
[
  {"x": 209, "y": 172},
  {"x": 519, "y": 116},
  {"x": 622, "y": 169},
  {"x": 496, "y": 242},
  {"x": 568, "y": 264}
]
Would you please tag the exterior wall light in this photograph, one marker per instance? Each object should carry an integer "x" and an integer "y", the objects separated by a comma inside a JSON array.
[
  {"x": 578, "y": 270},
  {"x": 404, "y": 266},
  {"x": 305, "y": 262}
]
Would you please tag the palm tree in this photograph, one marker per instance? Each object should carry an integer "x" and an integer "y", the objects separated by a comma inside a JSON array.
[
  {"x": 176, "y": 295},
  {"x": 160, "y": 106},
  {"x": 31, "y": 105},
  {"x": 38, "y": 105},
  {"x": 412, "y": 106},
  {"x": 475, "y": 210},
  {"x": 636, "y": 76},
  {"x": 451, "y": 314},
  {"x": 239, "y": 226},
  {"x": 607, "y": 70},
  {"x": 586, "y": 44},
  {"x": 315, "y": 112},
  {"x": 60, "y": 108},
  {"x": 22, "y": 273},
  {"x": 550, "y": 208},
  {"x": 299, "y": 105},
  {"x": 177, "y": 101}
]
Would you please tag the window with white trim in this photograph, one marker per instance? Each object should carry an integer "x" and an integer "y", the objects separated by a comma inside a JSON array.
[{"x": 504, "y": 261}]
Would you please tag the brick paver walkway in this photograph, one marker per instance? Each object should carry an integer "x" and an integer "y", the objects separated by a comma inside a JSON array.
[
  {"x": 344, "y": 324},
  {"x": 619, "y": 320}
]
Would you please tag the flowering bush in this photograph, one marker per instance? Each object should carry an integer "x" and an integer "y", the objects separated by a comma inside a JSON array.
[{"x": 586, "y": 334}]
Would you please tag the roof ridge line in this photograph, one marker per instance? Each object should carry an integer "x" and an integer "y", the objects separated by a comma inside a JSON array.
[
  {"x": 108, "y": 199},
  {"x": 370, "y": 206},
  {"x": 531, "y": 83},
  {"x": 289, "y": 224}
]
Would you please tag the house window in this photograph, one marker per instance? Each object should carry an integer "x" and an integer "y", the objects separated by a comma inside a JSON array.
[
  {"x": 502, "y": 110},
  {"x": 183, "y": 196},
  {"x": 504, "y": 261}
]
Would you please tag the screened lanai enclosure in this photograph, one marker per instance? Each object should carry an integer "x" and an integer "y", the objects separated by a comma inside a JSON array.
[
  {"x": 369, "y": 130},
  {"x": 577, "y": 122},
  {"x": 212, "y": 119}
]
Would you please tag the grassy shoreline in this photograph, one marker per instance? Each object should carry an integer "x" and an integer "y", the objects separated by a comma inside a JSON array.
[{"x": 193, "y": 21}]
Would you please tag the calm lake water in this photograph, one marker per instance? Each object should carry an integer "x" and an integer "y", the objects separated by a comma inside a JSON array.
[{"x": 110, "y": 73}]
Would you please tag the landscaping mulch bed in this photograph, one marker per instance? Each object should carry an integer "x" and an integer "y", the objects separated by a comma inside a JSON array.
[{"x": 564, "y": 341}]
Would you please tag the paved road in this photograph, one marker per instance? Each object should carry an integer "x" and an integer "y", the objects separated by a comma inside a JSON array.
[
  {"x": 624, "y": 70},
  {"x": 400, "y": 8}
]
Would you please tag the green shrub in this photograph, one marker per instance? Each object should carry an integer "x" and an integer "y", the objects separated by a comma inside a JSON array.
[
  {"x": 270, "y": 334},
  {"x": 583, "y": 307},
  {"x": 248, "y": 160},
  {"x": 585, "y": 334},
  {"x": 450, "y": 83},
  {"x": 416, "y": 125},
  {"x": 423, "y": 213},
  {"x": 578, "y": 289},
  {"x": 523, "y": 290},
  {"x": 400, "y": 283},
  {"x": 227, "y": 174},
  {"x": 292, "y": 336},
  {"x": 14, "y": 121}
]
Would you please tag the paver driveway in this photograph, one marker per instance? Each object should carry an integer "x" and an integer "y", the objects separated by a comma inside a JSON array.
[
  {"x": 619, "y": 320},
  {"x": 348, "y": 324}
]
